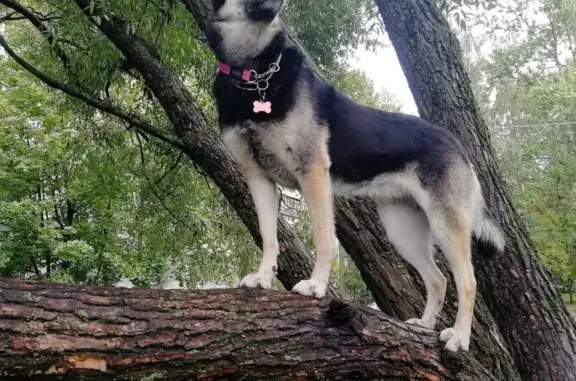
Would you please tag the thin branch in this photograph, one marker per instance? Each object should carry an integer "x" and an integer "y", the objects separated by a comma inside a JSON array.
[
  {"x": 131, "y": 119},
  {"x": 170, "y": 170},
  {"x": 153, "y": 187},
  {"x": 35, "y": 267},
  {"x": 10, "y": 17},
  {"x": 38, "y": 23},
  {"x": 58, "y": 219}
]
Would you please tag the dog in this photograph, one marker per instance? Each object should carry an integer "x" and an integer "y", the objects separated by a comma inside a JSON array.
[{"x": 284, "y": 125}]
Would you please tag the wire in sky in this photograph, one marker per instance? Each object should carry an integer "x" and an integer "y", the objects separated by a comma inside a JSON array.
[{"x": 539, "y": 125}]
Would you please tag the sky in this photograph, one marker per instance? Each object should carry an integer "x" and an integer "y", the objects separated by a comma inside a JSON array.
[{"x": 385, "y": 70}]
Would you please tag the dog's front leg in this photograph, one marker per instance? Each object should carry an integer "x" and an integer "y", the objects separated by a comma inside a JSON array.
[
  {"x": 264, "y": 195},
  {"x": 317, "y": 190}
]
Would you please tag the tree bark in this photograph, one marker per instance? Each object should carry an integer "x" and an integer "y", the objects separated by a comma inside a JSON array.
[
  {"x": 528, "y": 309},
  {"x": 50, "y": 331}
]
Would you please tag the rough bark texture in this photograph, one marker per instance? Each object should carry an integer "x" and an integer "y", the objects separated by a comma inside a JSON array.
[
  {"x": 50, "y": 331},
  {"x": 528, "y": 309}
]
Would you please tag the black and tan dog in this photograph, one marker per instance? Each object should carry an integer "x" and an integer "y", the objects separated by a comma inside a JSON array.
[{"x": 284, "y": 125}]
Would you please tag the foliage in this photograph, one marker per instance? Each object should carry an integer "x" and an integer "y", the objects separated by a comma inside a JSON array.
[
  {"x": 331, "y": 30},
  {"x": 525, "y": 87},
  {"x": 461, "y": 11},
  {"x": 81, "y": 200}
]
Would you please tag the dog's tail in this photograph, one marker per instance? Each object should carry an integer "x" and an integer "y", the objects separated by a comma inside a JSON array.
[{"x": 489, "y": 236}]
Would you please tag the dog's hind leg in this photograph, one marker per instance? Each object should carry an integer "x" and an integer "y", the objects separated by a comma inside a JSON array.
[
  {"x": 409, "y": 232},
  {"x": 452, "y": 231}
]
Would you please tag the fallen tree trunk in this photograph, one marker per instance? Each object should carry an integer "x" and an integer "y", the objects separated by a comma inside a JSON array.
[{"x": 51, "y": 330}]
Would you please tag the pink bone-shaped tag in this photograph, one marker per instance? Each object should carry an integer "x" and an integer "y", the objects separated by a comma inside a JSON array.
[{"x": 262, "y": 107}]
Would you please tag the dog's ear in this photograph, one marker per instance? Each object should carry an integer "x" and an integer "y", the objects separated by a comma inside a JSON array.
[{"x": 217, "y": 4}]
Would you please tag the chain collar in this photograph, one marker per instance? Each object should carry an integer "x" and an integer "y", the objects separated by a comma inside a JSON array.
[{"x": 252, "y": 80}]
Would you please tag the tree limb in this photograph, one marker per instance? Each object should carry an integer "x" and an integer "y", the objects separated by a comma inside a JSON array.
[
  {"x": 38, "y": 23},
  {"x": 52, "y": 331}
]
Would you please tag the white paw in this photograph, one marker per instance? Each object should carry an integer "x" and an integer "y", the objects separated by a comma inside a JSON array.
[
  {"x": 455, "y": 340},
  {"x": 262, "y": 280},
  {"x": 311, "y": 287},
  {"x": 422, "y": 323}
]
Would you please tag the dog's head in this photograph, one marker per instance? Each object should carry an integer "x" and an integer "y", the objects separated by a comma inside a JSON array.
[
  {"x": 240, "y": 30},
  {"x": 260, "y": 11}
]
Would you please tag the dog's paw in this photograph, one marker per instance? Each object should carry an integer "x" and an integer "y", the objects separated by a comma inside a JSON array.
[
  {"x": 455, "y": 340},
  {"x": 311, "y": 287},
  {"x": 261, "y": 280},
  {"x": 422, "y": 323}
]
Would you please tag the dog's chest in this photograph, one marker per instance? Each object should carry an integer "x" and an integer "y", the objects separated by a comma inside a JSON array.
[
  {"x": 272, "y": 152},
  {"x": 284, "y": 149}
]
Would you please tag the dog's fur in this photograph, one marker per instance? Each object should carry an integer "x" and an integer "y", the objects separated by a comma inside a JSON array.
[{"x": 322, "y": 143}]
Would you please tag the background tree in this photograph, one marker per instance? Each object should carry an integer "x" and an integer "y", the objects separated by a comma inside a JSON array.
[{"x": 526, "y": 306}]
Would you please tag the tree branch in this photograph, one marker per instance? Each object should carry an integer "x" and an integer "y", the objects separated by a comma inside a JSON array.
[
  {"x": 38, "y": 23},
  {"x": 154, "y": 188},
  {"x": 92, "y": 333},
  {"x": 101, "y": 105}
]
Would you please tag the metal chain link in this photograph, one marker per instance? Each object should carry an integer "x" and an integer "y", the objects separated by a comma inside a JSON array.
[{"x": 260, "y": 82}]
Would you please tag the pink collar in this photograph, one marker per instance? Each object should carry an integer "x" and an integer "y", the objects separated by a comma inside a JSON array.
[{"x": 245, "y": 74}]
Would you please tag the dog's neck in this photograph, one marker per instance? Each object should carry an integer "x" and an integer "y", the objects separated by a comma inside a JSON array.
[{"x": 247, "y": 45}]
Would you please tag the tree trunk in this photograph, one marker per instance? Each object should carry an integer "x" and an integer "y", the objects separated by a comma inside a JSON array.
[
  {"x": 51, "y": 331},
  {"x": 528, "y": 309}
]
